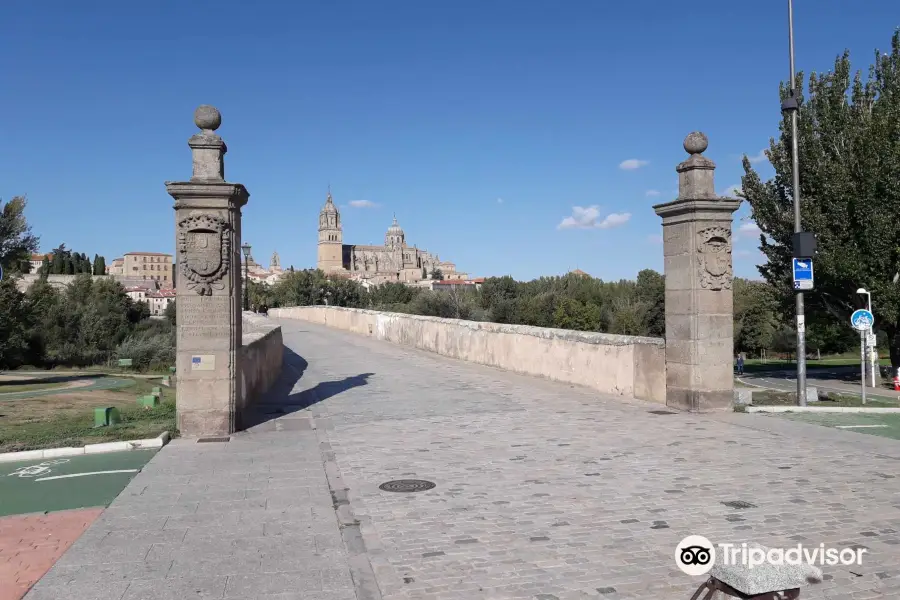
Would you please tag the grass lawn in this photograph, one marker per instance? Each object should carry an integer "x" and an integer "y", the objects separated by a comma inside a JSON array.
[
  {"x": 776, "y": 398},
  {"x": 755, "y": 365},
  {"x": 67, "y": 419},
  {"x": 9, "y": 388},
  {"x": 884, "y": 425}
]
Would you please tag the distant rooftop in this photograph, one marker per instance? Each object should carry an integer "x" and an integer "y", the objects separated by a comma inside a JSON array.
[{"x": 147, "y": 254}]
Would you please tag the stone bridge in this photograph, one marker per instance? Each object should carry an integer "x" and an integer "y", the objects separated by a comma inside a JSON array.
[{"x": 548, "y": 465}]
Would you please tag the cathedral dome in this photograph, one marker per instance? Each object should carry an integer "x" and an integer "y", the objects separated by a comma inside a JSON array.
[
  {"x": 395, "y": 238},
  {"x": 395, "y": 228}
]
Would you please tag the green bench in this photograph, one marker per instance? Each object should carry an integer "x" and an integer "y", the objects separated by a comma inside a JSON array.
[{"x": 125, "y": 362}]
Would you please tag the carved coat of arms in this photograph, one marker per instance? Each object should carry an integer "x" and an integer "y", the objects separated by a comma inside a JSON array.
[
  {"x": 205, "y": 249},
  {"x": 714, "y": 256}
]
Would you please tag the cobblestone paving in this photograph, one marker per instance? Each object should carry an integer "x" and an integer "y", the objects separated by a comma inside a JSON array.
[{"x": 553, "y": 492}]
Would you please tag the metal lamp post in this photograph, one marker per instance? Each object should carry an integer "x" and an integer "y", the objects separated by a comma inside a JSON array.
[
  {"x": 870, "y": 349},
  {"x": 245, "y": 247},
  {"x": 792, "y": 105}
]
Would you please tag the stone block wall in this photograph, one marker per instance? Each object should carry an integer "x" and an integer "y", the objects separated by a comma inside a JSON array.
[
  {"x": 611, "y": 364},
  {"x": 260, "y": 358}
]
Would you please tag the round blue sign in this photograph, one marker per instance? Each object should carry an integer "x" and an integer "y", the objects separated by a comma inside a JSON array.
[{"x": 862, "y": 319}]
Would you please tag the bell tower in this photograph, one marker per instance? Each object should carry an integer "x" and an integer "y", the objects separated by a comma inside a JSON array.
[{"x": 331, "y": 237}]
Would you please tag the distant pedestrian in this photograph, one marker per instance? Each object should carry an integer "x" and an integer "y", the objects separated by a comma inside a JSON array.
[{"x": 740, "y": 364}]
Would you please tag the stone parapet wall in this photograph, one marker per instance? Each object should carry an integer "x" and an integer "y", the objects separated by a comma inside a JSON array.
[
  {"x": 611, "y": 364},
  {"x": 260, "y": 358}
]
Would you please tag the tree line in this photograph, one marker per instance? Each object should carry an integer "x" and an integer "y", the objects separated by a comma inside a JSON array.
[
  {"x": 66, "y": 262},
  {"x": 573, "y": 301},
  {"x": 88, "y": 322}
]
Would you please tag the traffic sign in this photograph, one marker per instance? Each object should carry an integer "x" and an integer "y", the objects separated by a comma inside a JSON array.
[
  {"x": 803, "y": 274},
  {"x": 870, "y": 340},
  {"x": 862, "y": 320}
]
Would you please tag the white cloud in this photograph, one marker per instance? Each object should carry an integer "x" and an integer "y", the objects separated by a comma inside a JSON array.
[
  {"x": 655, "y": 239},
  {"x": 362, "y": 204},
  {"x": 747, "y": 230},
  {"x": 761, "y": 157},
  {"x": 588, "y": 218},
  {"x": 633, "y": 163},
  {"x": 732, "y": 191},
  {"x": 499, "y": 200},
  {"x": 652, "y": 193}
]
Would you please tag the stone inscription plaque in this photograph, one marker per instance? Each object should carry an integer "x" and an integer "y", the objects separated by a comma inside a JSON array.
[{"x": 203, "y": 316}]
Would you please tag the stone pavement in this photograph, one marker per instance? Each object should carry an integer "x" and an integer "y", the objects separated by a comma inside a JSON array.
[
  {"x": 250, "y": 519},
  {"x": 550, "y": 491},
  {"x": 544, "y": 491}
]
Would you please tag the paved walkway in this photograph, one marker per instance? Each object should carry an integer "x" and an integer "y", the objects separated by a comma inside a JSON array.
[
  {"x": 30, "y": 544},
  {"x": 544, "y": 491}
]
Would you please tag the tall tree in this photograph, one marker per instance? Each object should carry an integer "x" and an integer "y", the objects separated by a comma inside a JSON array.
[
  {"x": 849, "y": 154},
  {"x": 58, "y": 262},
  {"x": 45, "y": 267},
  {"x": 16, "y": 240}
]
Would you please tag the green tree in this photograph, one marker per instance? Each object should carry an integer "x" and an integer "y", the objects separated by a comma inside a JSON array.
[
  {"x": 498, "y": 289},
  {"x": 45, "y": 267},
  {"x": 17, "y": 242},
  {"x": 170, "y": 313},
  {"x": 15, "y": 324},
  {"x": 755, "y": 316},
  {"x": 650, "y": 289},
  {"x": 391, "y": 293},
  {"x": 437, "y": 274},
  {"x": 100, "y": 267},
  {"x": 849, "y": 155}
]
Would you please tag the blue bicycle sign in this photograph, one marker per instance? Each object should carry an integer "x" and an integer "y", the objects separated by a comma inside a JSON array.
[{"x": 862, "y": 320}]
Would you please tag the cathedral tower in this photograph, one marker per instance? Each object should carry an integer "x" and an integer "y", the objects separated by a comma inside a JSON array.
[
  {"x": 395, "y": 238},
  {"x": 331, "y": 237}
]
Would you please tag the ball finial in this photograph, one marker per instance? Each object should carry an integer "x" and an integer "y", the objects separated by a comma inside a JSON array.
[
  {"x": 696, "y": 142},
  {"x": 207, "y": 117}
]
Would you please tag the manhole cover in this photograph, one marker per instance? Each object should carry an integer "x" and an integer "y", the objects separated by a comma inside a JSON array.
[
  {"x": 213, "y": 439},
  {"x": 406, "y": 485},
  {"x": 738, "y": 504},
  {"x": 662, "y": 412}
]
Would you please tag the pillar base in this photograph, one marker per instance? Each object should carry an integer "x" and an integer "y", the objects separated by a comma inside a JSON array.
[{"x": 700, "y": 400}]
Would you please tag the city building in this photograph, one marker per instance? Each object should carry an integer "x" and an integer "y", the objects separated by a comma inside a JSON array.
[
  {"x": 394, "y": 261},
  {"x": 147, "y": 266},
  {"x": 37, "y": 260},
  {"x": 258, "y": 273},
  {"x": 157, "y": 300},
  {"x": 116, "y": 267}
]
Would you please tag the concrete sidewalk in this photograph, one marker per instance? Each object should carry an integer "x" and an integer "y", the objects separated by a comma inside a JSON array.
[{"x": 252, "y": 518}]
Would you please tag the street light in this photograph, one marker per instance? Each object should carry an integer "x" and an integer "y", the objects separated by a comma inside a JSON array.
[
  {"x": 791, "y": 105},
  {"x": 245, "y": 247},
  {"x": 872, "y": 354}
]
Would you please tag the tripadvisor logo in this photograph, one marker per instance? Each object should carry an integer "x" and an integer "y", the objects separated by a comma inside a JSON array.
[{"x": 695, "y": 555}]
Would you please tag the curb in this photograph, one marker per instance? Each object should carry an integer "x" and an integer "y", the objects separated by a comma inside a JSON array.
[
  {"x": 820, "y": 409},
  {"x": 157, "y": 442}
]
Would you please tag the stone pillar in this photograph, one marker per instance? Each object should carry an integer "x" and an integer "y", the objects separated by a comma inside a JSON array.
[
  {"x": 699, "y": 276},
  {"x": 208, "y": 289}
]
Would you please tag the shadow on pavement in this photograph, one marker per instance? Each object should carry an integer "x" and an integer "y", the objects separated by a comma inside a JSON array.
[{"x": 279, "y": 401}]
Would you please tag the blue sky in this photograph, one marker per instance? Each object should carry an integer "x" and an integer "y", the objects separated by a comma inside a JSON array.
[{"x": 480, "y": 123}]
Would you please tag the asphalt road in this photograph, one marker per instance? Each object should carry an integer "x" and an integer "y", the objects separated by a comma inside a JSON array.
[{"x": 843, "y": 380}]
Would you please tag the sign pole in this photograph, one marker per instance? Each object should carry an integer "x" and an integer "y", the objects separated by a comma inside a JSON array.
[{"x": 862, "y": 351}]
